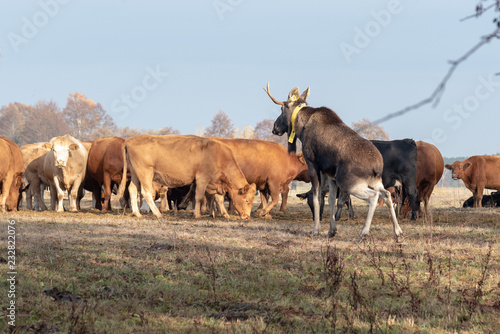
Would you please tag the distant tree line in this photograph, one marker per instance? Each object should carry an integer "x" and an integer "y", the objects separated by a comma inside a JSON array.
[
  {"x": 81, "y": 117},
  {"x": 87, "y": 120}
]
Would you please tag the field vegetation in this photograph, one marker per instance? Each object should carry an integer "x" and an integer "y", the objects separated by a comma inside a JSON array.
[{"x": 93, "y": 272}]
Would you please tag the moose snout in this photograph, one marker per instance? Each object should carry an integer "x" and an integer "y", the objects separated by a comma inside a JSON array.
[{"x": 277, "y": 131}]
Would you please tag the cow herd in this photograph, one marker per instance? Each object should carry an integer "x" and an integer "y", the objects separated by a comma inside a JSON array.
[{"x": 334, "y": 159}]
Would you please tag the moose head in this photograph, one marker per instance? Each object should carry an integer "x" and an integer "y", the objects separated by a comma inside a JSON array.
[{"x": 289, "y": 110}]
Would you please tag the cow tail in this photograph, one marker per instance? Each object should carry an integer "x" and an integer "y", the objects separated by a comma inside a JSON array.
[{"x": 121, "y": 189}]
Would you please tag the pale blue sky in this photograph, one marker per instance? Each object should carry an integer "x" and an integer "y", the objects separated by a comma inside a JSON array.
[{"x": 153, "y": 64}]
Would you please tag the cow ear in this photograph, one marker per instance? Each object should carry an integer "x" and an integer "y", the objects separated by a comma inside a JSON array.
[
  {"x": 447, "y": 166},
  {"x": 293, "y": 95},
  {"x": 467, "y": 165},
  {"x": 47, "y": 146},
  {"x": 243, "y": 190},
  {"x": 305, "y": 95},
  {"x": 20, "y": 182},
  {"x": 73, "y": 147}
]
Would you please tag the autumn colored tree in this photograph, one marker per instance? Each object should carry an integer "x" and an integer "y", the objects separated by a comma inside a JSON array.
[
  {"x": 44, "y": 122},
  {"x": 12, "y": 121},
  {"x": 246, "y": 132},
  {"x": 264, "y": 131},
  {"x": 86, "y": 119},
  {"x": 370, "y": 131},
  {"x": 168, "y": 130},
  {"x": 221, "y": 126}
]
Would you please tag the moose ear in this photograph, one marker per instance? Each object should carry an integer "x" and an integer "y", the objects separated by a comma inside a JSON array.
[
  {"x": 467, "y": 165},
  {"x": 305, "y": 95},
  {"x": 293, "y": 95}
]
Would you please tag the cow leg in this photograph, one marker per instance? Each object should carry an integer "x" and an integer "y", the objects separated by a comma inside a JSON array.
[
  {"x": 5, "y": 192},
  {"x": 53, "y": 194},
  {"x": 219, "y": 200},
  {"x": 132, "y": 190},
  {"x": 332, "y": 198},
  {"x": 107, "y": 183},
  {"x": 79, "y": 195},
  {"x": 264, "y": 200},
  {"x": 478, "y": 197},
  {"x": 284, "y": 198},
  {"x": 29, "y": 198},
  {"x": 60, "y": 195},
  {"x": 351, "y": 209},
  {"x": 40, "y": 195},
  {"x": 274, "y": 190},
  {"x": 199, "y": 197},
  {"x": 73, "y": 194},
  {"x": 148, "y": 196},
  {"x": 163, "y": 201},
  {"x": 343, "y": 199}
]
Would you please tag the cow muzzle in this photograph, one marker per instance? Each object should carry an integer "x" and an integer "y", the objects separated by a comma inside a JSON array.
[{"x": 60, "y": 163}]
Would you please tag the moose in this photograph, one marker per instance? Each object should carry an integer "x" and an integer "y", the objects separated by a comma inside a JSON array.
[{"x": 335, "y": 154}]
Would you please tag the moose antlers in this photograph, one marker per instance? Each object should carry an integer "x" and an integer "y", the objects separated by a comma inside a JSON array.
[{"x": 272, "y": 98}]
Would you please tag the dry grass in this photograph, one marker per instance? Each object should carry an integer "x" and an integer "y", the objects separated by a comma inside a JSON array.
[{"x": 184, "y": 275}]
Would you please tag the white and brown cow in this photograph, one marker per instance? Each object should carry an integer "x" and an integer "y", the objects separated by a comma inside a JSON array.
[{"x": 65, "y": 166}]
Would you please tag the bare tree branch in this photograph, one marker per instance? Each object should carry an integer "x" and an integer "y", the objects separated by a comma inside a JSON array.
[
  {"x": 479, "y": 12},
  {"x": 435, "y": 97}
]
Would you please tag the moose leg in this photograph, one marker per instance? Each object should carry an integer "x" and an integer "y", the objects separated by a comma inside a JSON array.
[
  {"x": 372, "y": 200},
  {"x": 388, "y": 201},
  {"x": 315, "y": 181},
  {"x": 332, "y": 198}
]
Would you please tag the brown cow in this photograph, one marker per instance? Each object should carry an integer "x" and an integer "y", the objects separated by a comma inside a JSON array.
[
  {"x": 11, "y": 174},
  {"x": 477, "y": 172},
  {"x": 175, "y": 161},
  {"x": 430, "y": 166},
  {"x": 65, "y": 166},
  {"x": 33, "y": 158},
  {"x": 268, "y": 165},
  {"x": 105, "y": 166}
]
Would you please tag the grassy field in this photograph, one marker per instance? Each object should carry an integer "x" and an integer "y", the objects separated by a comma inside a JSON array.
[{"x": 91, "y": 272}]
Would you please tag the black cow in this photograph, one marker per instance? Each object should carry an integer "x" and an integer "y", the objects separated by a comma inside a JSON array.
[
  {"x": 400, "y": 166},
  {"x": 336, "y": 154},
  {"x": 492, "y": 200}
]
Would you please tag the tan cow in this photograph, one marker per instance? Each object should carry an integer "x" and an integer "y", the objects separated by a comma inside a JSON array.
[
  {"x": 64, "y": 166},
  {"x": 176, "y": 161},
  {"x": 11, "y": 174},
  {"x": 477, "y": 172},
  {"x": 33, "y": 158},
  {"x": 268, "y": 165}
]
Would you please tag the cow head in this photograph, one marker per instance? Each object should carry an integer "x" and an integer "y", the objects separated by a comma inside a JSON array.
[
  {"x": 284, "y": 122},
  {"x": 243, "y": 200},
  {"x": 61, "y": 151},
  {"x": 458, "y": 169},
  {"x": 12, "y": 201}
]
